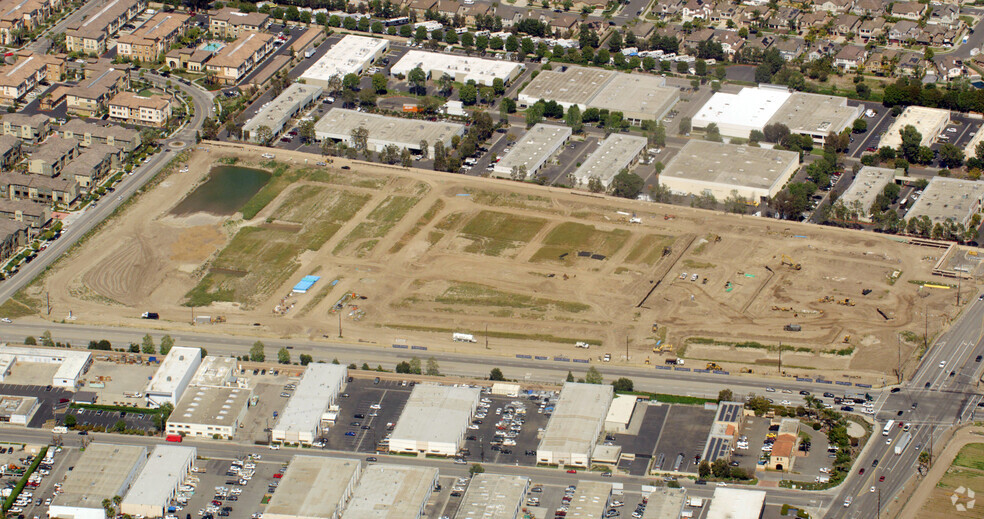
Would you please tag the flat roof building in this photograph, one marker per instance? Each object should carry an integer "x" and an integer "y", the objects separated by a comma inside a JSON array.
[
  {"x": 949, "y": 199},
  {"x": 18, "y": 410},
  {"x": 719, "y": 168},
  {"x": 620, "y": 413},
  {"x": 867, "y": 185},
  {"x": 590, "y": 500},
  {"x": 532, "y": 151},
  {"x": 392, "y": 492},
  {"x": 818, "y": 116},
  {"x": 301, "y": 419},
  {"x": 435, "y": 419},
  {"x": 462, "y": 68},
  {"x": 157, "y": 484},
  {"x": 278, "y": 112},
  {"x": 72, "y": 364},
  {"x": 102, "y": 472},
  {"x": 638, "y": 96},
  {"x": 493, "y": 496},
  {"x": 617, "y": 151},
  {"x": 929, "y": 122},
  {"x": 665, "y": 502},
  {"x": 736, "y": 115},
  {"x": 574, "y": 427},
  {"x": 505, "y": 389},
  {"x": 236, "y": 59},
  {"x": 217, "y": 372},
  {"x": 351, "y": 55},
  {"x": 338, "y": 124},
  {"x": 208, "y": 411},
  {"x": 172, "y": 376},
  {"x": 736, "y": 503},
  {"x": 314, "y": 487}
]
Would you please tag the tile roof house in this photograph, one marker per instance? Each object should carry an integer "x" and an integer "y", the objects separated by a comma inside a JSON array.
[
  {"x": 729, "y": 40},
  {"x": 851, "y": 57},
  {"x": 903, "y": 31},
  {"x": 871, "y": 28},
  {"x": 846, "y": 24},
  {"x": 951, "y": 67},
  {"x": 836, "y": 6},
  {"x": 908, "y": 10},
  {"x": 862, "y": 7},
  {"x": 789, "y": 48},
  {"x": 947, "y": 15}
]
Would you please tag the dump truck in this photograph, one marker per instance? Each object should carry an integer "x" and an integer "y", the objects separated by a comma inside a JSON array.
[{"x": 463, "y": 337}]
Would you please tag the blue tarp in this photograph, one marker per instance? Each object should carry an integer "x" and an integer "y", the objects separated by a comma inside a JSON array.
[{"x": 305, "y": 284}]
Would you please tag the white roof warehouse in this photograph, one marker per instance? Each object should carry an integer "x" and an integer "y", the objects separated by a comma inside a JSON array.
[
  {"x": 351, "y": 55},
  {"x": 435, "y": 419},
  {"x": 461, "y": 68},
  {"x": 338, "y": 124},
  {"x": 102, "y": 472},
  {"x": 319, "y": 387},
  {"x": 571, "y": 434},
  {"x": 158, "y": 482},
  {"x": 173, "y": 375}
]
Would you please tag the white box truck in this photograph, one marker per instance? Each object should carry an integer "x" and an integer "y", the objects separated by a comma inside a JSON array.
[
  {"x": 902, "y": 443},
  {"x": 463, "y": 337}
]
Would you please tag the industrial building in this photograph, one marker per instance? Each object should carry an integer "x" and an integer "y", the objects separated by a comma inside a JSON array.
[
  {"x": 719, "y": 168},
  {"x": 172, "y": 376},
  {"x": 620, "y": 413},
  {"x": 18, "y": 410},
  {"x": 948, "y": 199},
  {"x": 531, "y": 152},
  {"x": 735, "y": 503},
  {"x": 574, "y": 427},
  {"x": 665, "y": 502},
  {"x": 297, "y": 497},
  {"x": 167, "y": 469},
  {"x": 301, "y": 419},
  {"x": 493, "y": 496},
  {"x": 724, "y": 431},
  {"x": 867, "y": 185},
  {"x": 102, "y": 472},
  {"x": 435, "y": 419},
  {"x": 278, "y": 112},
  {"x": 462, "y": 68},
  {"x": 209, "y": 412},
  {"x": 638, "y": 97},
  {"x": 217, "y": 371},
  {"x": 392, "y": 492},
  {"x": 72, "y": 364},
  {"x": 736, "y": 115},
  {"x": 816, "y": 115},
  {"x": 351, "y": 55},
  {"x": 338, "y": 124},
  {"x": 590, "y": 500},
  {"x": 617, "y": 151},
  {"x": 929, "y": 122}
]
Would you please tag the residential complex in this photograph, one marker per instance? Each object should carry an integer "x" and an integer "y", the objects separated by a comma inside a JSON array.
[
  {"x": 236, "y": 59},
  {"x": 153, "y": 38},
  {"x": 91, "y": 34}
]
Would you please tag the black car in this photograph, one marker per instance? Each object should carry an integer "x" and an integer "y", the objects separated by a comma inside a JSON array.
[
  {"x": 828, "y": 395},
  {"x": 805, "y": 392},
  {"x": 371, "y": 459},
  {"x": 896, "y": 389},
  {"x": 927, "y": 385},
  {"x": 366, "y": 427},
  {"x": 847, "y": 408},
  {"x": 978, "y": 359},
  {"x": 359, "y": 415},
  {"x": 874, "y": 463},
  {"x": 900, "y": 412}
]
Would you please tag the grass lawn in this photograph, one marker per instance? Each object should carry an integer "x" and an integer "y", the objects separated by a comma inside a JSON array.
[
  {"x": 971, "y": 456},
  {"x": 19, "y": 306},
  {"x": 474, "y": 294},
  {"x": 649, "y": 249},
  {"x": 571, "y": 237},
  {"x": 492, "y": 232}
]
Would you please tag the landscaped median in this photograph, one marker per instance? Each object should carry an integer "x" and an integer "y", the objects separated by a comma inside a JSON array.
[{"x": 9, "y": 502}]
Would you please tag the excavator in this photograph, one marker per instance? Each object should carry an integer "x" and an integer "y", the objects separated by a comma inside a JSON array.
[{"x": 786, "y": 260}]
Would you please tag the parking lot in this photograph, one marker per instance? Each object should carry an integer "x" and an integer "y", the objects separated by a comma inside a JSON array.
[
  {"x": 239, "y": 491},
  {"x": 49, "y": 398},
  {"x": 368, "y": 410},
  {"x": 108, "y": 419},
  {"x": 508, "y": 432},
  {"x": 643, "y": 444},
  {"x": 684, "y": 432},
  {"x": 36, "y": 496}
]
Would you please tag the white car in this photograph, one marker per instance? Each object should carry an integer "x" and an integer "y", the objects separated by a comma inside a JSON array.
[
  {"x": 942, "y": 363},
  {"x": 274, "y": 447}
]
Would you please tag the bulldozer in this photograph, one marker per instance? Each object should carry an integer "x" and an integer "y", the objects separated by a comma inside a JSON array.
[
  {"x": 713, "y": 366},
  {"x": 663, "y": 348},
  {"x": 825, "y": 299},
  {"x": 786, "y": 260},
  {"x": 847, "y": 339},
  {"x": 846, "y": 302}
]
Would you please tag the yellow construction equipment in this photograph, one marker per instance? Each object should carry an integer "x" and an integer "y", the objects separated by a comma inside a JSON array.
[
  {"x": 825, "y": 299},
  {"x": 663, "y": 348},
  {"x": 655, "y": 327},
  {"x": 786, "y": 260},
  {"x": 713, "y": 366},
  {"x": 847, "y": 339},
  {"x": 846, "y": 302}
]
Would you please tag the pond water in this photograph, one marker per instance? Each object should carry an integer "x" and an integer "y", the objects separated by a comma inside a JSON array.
[{"x": 224, "y": 192}]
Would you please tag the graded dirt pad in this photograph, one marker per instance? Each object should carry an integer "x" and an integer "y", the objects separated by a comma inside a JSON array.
[{"x": 417, "y": 255}]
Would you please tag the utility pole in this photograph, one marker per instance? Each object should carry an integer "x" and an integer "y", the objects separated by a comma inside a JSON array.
[
  {"x": 339, "y": 325},
  {"x": 47, "y": 302},
  {"x": 780, "y": 357},
  {"x": 959, "y": 282},
  {"x": 898, "y": 341},
  {"x": 626, "y": 348},
  {"x": 879, "y": 503},
  {"x": 926, "y": 332},
  {"x": 486, "y": 336}
]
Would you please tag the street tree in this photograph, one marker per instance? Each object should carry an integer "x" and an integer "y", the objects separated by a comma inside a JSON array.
[
  {"x": 283, "y": 356},
  {"x": 417, "y": 80},
  {"x": 623, "y": 384},
  {"x": 379, "y": 82},
  {"x": 305, "y": 359},
  {"x": 593, "y": 376},
  {"x": 147, "y": 346},
  {"x": 496, "y": 374},
  {"x": 167, "y": 343},
  {"x": 256, "y": 352},
  {"x": 360, "y": 139},
  {"x": 626, "y": 184},
  {"x": 573, "y": 119},
  {"x": 432, "y": 367}
]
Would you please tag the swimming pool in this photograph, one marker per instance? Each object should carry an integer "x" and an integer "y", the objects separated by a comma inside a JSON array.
[{"x": 212, "y": 46}]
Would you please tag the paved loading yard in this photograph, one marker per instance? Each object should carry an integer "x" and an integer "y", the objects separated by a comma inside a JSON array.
[
  {"x": 644, "y": 443},
  {"x": 215, "y": 475},
  {"x": 356, "y": 408},
  {"x": 526, "y": 440},
  {"x": 48, "y": 398},
  {"x": 684, "y": 431}
]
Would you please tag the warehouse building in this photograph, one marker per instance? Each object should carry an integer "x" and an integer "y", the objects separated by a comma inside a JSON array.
[
  {"x": 338, "y": 124},
  {"x": 435, "y": 419},
  {"x": 462, "y": 68},
  {"x": 157, "y": 484},
  {"x": 577, "y": 421},
  {"x": 816, "y": 115},
  {"x": 724, "y": 431},
  {"x": 297, "y": 497},
  {"x": 218, "y": 372},
  {"x": 392, "y": 492},
  {"x": 719, "y": 168},
  {"x": 493, "y": 496},
  {"x": 301, "y": 420},
  {"x": 531, "y": 152},
  {"x": 867, "y": 185},
  {"x": 102, "y": 472},
  {"x": 278, "y": 112},
  {"x": 929, "y": 122},
  {"x": 638, "y": 96},
  {"x": 617, "y": 152},
  {"x": 949, "y": 199},
  {"x": 172, "y": 376},
  {"x": 665, "y": 502},
  {"x": 736, "y": 115},
  {"x": 209, "y": 412},
  {"x": 620, "y": 413},
  {"x": 71, "y": 364},
  {"x": 18, "y": 410},
  {"x": 734, "y": 503},
  {"x": 351, "y": 55},
  {"x": 590, "y": 500}
]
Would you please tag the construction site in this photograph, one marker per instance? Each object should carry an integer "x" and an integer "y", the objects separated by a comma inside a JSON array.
[{"x": 398, "y": 255}]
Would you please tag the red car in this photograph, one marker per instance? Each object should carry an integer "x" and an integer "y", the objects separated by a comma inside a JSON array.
[
  {"x": 278, "y": 476},
  {"x": 572, "y": 471},
  {"x": 861, "y": 472},
  {"x": 881, "y": 479},
  {"x": 216, "y": 503}
]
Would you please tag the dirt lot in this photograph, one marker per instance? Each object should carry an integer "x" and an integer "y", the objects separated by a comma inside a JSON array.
[
  {"x": 434, "y": 253},
  {"x": 964, "y": 473}
]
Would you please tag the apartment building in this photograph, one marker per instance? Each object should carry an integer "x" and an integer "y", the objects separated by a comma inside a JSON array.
[
  {"x": 28, "y": 128},
  {"x": 50, "y": 158},
  {"x": 32, "y": 213},
  {"x": 90, "y": 133},
  {"x": 91, "y": 96},
  {"x": 13, "y": 235},
  {"x": 91, "y": 34},
  {"x": 27, "y": 72},
  {"x": 92, "y": 165},
  {"x": 235, "y": 60},
  {"x": 192, "y": 60},
  {"x": 154, "y": 110},
  {"x": 153, "y": 38},
  {"x": 10, "y": 151},
  {"x": 231, "y": 23},
  {"x": 17, "y": 16},
  {"x": 49, "y": 190}
]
